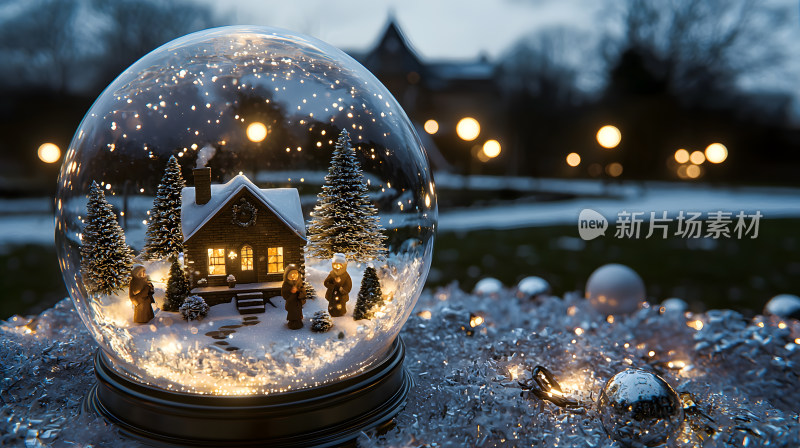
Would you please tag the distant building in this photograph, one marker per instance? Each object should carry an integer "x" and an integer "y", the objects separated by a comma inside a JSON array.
[{"x": 444, "y": 91}]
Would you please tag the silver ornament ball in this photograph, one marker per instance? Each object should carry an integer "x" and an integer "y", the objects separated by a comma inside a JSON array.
[
  {"x": 639, "y": 408},
  {"x": 615, "y": 289}
]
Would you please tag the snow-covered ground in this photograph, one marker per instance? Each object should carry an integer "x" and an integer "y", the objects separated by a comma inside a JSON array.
[
  {"x": 612, "y": 199},
  {"x": 230, "y": 354}
]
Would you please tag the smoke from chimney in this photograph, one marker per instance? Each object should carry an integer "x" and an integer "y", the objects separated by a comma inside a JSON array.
[{"x": 205, "y": 154}]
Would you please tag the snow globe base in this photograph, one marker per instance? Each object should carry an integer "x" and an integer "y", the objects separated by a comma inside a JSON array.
[{"x": 329, "y": 415}]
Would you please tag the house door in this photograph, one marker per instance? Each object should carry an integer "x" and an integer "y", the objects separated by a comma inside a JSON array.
[{"x": 247, "y": 266}]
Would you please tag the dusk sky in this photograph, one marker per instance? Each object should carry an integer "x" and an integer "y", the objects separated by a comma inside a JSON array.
[{"x": 438, "y": 29}]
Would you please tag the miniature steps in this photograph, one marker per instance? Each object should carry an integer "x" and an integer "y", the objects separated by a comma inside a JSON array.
[{"x": 250, "y": 302}]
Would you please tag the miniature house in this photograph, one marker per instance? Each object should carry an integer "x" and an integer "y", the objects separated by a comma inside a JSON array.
[{"x": 241, "y": 230}]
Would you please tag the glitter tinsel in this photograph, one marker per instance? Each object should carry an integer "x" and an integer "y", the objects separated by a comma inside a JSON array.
[{"x": 741, "y": 374}]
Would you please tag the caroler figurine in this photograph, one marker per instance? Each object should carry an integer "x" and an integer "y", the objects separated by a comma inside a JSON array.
[
  {"x": 294, "y": 292},
  {"x": 338, "y": 284},
  {"x": 141, "y": 294}
]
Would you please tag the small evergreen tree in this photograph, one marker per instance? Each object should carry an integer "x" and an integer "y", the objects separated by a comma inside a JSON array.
[
  {"x": 344, "y": 220},
  {"x": 370, "y": 295},
  {"x": 311, "y": 293},
  {"x": 194, "y": 308},
  {"x": 164, "y": 237},
  {"x": 321, "y": 321},
  {"x": 177, "y": 287},
  {"x": 105, "y": 258}
]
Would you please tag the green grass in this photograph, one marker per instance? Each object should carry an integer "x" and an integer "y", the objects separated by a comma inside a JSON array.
[{"x": 727, "y": 273}]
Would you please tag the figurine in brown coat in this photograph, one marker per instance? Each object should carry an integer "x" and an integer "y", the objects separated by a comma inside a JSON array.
[
  {"x": 294, "y": 293},
  {"x": 141, "y": 292},
  {"x": 338, "y": 284}
]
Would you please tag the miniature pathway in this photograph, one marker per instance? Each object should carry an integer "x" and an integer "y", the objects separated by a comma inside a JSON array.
[{"x": 226, "y": 330}]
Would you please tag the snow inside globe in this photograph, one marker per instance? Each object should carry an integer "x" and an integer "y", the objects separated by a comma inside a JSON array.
[{"x": 245, "y": 211}]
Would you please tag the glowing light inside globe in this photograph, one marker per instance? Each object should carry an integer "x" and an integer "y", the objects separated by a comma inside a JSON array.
[
  {"x": 609, "y": 137},
  {"x": 716, "y": 153},
  {"x": 49, "y": 153},
  {"x": 468, "y": 129}
]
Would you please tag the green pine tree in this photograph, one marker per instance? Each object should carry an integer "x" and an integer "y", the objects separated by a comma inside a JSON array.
[
  {"x": 177, "y": 287},
  {"x": 370, "y": 295},
  {"x": 344, "y": 220},
  {"x": 105, "y": 258},
  {"x": 164, "y": 237}
]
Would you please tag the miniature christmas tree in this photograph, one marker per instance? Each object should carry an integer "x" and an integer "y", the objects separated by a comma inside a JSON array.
[
  {"x": 311, "y": 293},
  {"x": 370, "y": 295},
  {"x": 177, "y": 287},
  {"x": 164, "y": 237},
  {"x": 105, "y": 258},
  {"x": 321, "y": 321},
  {"x": 344, "y": 220},
  {"x": 194, "y": 308}
]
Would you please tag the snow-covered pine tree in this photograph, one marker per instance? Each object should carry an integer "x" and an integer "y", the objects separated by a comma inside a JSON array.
[
  {"x": 177, "y": 287},
  {"x": 370, "y": 295},
  {"x": 164, "y": 237},
  {"x": 321, "y": 322},
  {"x": 105, "y": 258},
  {"x": 344, "y": 220},
  {"x": 311, "y": 293}
]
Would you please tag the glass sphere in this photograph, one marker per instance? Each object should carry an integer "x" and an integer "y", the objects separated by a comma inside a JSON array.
[
  {"x": 292, "y": 153},
  {"x": 638, "y": 408}
]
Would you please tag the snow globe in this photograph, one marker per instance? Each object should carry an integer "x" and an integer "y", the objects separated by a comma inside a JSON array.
[{"x": 245, "y": 219}]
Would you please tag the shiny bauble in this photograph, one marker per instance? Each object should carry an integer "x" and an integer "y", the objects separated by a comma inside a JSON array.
[
  {"x": 639, "y": 408},
  {"x": 615, "y": 289},
  {"x": 785, "y": 306},
  {"x": 488, "y": 287},
  {"x": 674, "y": 305},
  {"x": 530, "y": 287}
]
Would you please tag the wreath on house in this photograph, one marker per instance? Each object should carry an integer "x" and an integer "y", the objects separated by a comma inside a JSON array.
[{"x": 244, "y": 213}]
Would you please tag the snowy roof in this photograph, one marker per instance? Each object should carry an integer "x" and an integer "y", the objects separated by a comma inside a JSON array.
[{"x": 283, "y": 202}]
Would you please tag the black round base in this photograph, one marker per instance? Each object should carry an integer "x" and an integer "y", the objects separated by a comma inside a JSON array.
[{"x": 329, "y": 415}]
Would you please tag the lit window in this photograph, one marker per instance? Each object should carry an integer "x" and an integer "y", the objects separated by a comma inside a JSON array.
[
  {"x": 216, "y": 261},
  {"x": 275, "y": 260},
  {"x": 247, "y": 258}
]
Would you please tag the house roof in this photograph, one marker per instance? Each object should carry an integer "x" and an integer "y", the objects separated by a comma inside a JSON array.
[{"x": 283, "y": 202}]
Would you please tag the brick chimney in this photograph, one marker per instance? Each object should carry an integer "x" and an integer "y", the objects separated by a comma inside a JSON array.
[{"x": 202, "y": 185}]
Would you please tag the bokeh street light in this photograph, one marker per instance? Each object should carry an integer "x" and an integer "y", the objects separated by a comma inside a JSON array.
[
  {"x": 573, "y": 159},
  {"x": 468, "y": 129},
  {"x": 256, "y": 132},
  {"x": 492, "y": 148},
  {"x": 697, "y": 157},
  {"x": 49, "y": 153},
  {"x": 609, "y": 137},
  {"x": 614, "y": 169},
  {"x": 716, "y": 153},
  {"x": 431, "y": 127},
  {"x": 681, "y": 156}
]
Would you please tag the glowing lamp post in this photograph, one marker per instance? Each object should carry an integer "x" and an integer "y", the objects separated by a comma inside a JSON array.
[
  {"x": 468, "y": 129},
  {"x": 609, "y": 137},
  {"x": 49, "y": 153},
  {"x": 256, "y": 132},
  {"x": 431, "y": 127},
  {"x": 716, "y": 153}
]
